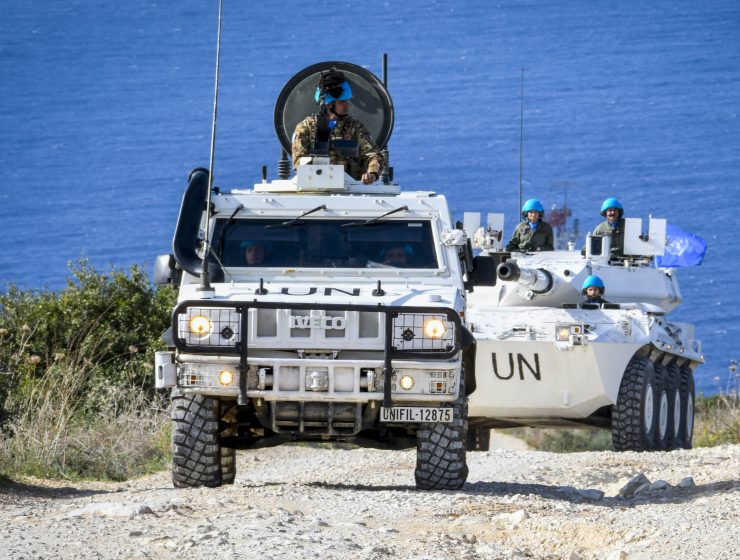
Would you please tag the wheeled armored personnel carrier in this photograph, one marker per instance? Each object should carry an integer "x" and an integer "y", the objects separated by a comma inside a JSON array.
[
  {"x": 545, "y": 359},
  {"x": 294, "y": 323}
]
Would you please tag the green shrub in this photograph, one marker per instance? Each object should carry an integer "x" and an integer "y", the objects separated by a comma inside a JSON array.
[
  {"x": 77, "y": 379},
  {"x": 717, "y": 420}
]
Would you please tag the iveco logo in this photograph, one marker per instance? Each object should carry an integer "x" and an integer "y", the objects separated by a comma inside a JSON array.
[{"x": 316, "y": 322}]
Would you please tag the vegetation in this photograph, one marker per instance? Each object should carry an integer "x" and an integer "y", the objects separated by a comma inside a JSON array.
[
  {"x": 717, "y": 420},
  {"x": 76, "y": 383}
]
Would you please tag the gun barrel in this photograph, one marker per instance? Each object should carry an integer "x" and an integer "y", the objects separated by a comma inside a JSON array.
[{"x": 539, "y": 280}]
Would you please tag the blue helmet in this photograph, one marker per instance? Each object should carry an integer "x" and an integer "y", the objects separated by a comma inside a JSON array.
[
  {"x": 593, "y": 281},
  {"x": 329, "y": 98},
  {"x": 533, "y": 204},
  {"x": 611, "y": 203}
]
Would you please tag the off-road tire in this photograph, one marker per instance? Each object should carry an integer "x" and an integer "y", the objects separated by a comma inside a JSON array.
[
  {"x": 441, "y": 462},
  {"x": 228, "y": 465},
  {"x": 634, "y": 415},
  {"x": 479, "y": 439},
  {"x": 663, "y": 409},
  {"x": 688, "y": 401},
  {"x": 675, "y": 402},
  {"x": 197, "y": 456}
]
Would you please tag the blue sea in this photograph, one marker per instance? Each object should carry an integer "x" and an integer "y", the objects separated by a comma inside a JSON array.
[{"x": 106, "y": 106}]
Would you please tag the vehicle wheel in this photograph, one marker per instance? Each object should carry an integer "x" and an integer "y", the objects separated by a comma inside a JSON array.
[
  {"x": 663, "y": 427},
  {"x": 228, "y": 465},
  {"x": 686, "y": 431},
  {"x": 440, "y": 449},
  {"x": 197, "y": 457},
  {"x": 674, "y": 406},
  {"x": 479, "y": 439},
  {"x": 634, "y": 416}
]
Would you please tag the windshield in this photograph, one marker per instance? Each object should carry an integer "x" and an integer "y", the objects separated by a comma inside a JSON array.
[{"x": 319, "y": 243}]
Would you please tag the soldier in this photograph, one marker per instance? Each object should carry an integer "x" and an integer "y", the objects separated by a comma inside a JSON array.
[
  {"x": 362, "y": 160},
  {"x": 593, "y": 288},
  {"x": 533, "y": 234},
  {"x": 613, "y": 226},
  {"x": 254, "y": 253}
]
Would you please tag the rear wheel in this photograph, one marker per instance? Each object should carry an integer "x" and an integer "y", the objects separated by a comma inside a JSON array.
[
  {"x": 686, "y": 431},
  {"x": 634, "y": 416},
  {"x": 441, "y": 462},
  {"x": 197, "y": 456},
  {"x": 674, "y": 406},
  {"x": 663, "y": 420}
]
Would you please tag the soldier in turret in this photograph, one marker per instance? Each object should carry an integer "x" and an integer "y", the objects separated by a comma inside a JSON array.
[
  {"x": 613, "y": 226},
  {"x": 350, "y": 142},
  {"x": 532, "y": 234},
  {"x": 593, "y": 288}
]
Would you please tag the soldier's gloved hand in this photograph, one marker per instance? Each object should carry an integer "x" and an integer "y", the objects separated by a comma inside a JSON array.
[{"x": 368, "y": 178}]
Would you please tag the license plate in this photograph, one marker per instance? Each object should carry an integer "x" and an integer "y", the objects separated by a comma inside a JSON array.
[{"x": 415, "y": 414}]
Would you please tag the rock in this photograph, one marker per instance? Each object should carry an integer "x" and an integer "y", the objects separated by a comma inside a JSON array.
[
  {"x": 634, "y": 484},
  {"x": 618, "y": 554},
  {"x": 659, "y": 485},
  {"x": 687, "y": 482},
  {"x": 591, "y": 494},
  {"x": 516, "y": 518},
  {"x": 575, "y": 556},
  {"x": 470, "y": 539}
]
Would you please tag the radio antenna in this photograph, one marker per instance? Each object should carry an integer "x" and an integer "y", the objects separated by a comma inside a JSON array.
[
  {"x": 205, "y": 282},
  {"x": 521, "y": 139}
]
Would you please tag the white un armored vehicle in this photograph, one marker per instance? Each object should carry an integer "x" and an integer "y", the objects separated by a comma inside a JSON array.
[
  {"x": 321, "y": 336},
  {"x": 544, "y": 359},
  {"x": 297, "y": 325}
]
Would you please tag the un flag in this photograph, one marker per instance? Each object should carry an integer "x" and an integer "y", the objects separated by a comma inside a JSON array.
[{"x": 681, "y": 248}]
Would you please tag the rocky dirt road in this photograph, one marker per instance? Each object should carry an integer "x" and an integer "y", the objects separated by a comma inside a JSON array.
[{"x": 304, "y": 502}]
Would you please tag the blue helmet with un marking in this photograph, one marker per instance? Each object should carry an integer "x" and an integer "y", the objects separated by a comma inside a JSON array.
[
  {"x": 533, "y": 205},
  {"x": 593, "y": 281},
  {"x": 346, "y": 93},
  {"x": 611, "y": 203}
]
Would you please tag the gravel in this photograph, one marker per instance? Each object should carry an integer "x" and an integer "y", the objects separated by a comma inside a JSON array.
[{"x": 299, "y": 501}]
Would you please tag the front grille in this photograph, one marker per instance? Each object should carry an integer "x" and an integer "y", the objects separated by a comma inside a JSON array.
[{"x": 401, "y": 332}]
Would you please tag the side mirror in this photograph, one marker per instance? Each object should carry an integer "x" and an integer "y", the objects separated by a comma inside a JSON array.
[{"x": 164, "y": 270}]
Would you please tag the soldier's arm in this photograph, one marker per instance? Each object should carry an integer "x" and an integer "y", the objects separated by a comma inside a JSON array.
[
  {"x": 371, "y": 155},
  {"x": 513, "y": 244},
  {"x": 549, "y": 244},
  {"x": 301, "y": 142}
]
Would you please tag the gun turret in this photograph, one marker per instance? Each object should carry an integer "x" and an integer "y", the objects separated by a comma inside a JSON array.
[{"x": 537, "y": 280}]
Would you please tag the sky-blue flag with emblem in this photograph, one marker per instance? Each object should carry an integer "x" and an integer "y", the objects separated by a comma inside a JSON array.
[{"x": 681, "y": 248}]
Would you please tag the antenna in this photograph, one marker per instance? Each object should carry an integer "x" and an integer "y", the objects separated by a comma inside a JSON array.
[
  {"x": 386, "y": 172},
  {"x": 521, "y": 139},
  {"x": 205, "y": 283}
]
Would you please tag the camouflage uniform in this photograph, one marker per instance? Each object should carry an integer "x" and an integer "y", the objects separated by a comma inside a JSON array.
[
  {"x": 617, "y": 235},
  {"x": 526, "y": 239},
  {"x": 369, "y": 160}
]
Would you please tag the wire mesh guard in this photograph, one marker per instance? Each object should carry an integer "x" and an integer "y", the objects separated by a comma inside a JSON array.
[
  {"x": 410, "y": 333},
  {"x": 210, "y": 326}
]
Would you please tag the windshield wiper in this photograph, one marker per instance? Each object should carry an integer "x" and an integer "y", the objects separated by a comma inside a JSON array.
[
  {"x": 297, "y": 219},
  {"x": 230, "y": 222},
  {"x": 375, "y": 220}
]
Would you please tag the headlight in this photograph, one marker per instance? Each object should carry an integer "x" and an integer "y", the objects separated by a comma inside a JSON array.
[
  {"x": 225, "y": 377},
  {"x": 200, "y": 325},
  {"x": 434, "y": 328},
  {"x": 563, "y": 334},
  {"x": 406, "y": 382}
]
